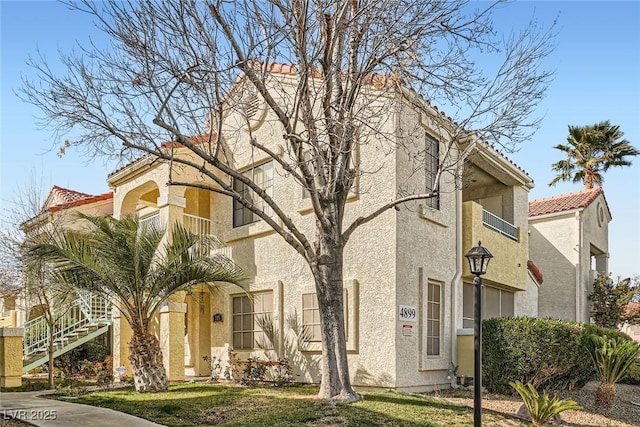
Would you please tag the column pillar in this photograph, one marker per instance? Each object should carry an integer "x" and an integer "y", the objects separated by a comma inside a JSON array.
[
  {"x": 172, "y": 336},
  {"x": 11, "y": 357},
  {"x": 120, "y": 341}
]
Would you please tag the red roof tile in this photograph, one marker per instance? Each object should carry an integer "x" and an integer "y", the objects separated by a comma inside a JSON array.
[
  {"x": 84, "y": 201},
  {"x": 535, "y": 271},
  {"x": 564, "y": 202},
  {"x": 69, "y": 196}
]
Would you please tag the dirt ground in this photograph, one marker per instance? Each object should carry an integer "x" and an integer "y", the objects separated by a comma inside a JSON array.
[{"x": 625, "y": 412}]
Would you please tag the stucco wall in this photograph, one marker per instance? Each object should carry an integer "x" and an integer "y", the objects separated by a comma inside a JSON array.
[
  {"x": 526, "y": 302},
  {"x": 426, "y": 250},
  {"x": 508, "y": 268},
  {"x": 554, "y": 249},
  {"x": 562, "y": 245}
]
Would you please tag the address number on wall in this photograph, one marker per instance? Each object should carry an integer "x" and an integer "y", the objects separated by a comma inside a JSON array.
[{"x": 407, "y": 313}]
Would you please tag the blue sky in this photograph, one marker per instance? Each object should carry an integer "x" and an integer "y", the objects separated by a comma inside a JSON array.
[{"x": 598, "y": 78}]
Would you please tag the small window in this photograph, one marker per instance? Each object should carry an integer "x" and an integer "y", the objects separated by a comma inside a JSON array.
[
  {"x": 434, "y": 319},
  {"x": 311, "y": 317},
  {"x": 251, "y": 317},
  {"x": 432, "y": 163},
  {"x": 263, "y": 177},
  {"x": 467, "y": 305}
]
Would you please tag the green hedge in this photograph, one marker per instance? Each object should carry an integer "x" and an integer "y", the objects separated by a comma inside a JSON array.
[{"x": 551, "y": 354}]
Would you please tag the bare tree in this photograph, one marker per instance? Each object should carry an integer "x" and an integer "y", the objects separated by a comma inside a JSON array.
[
  {"x": 23, "y": 222},
  {"x": 200, "y": 74}
]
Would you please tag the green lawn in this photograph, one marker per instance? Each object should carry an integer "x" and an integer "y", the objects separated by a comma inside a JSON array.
[{"x": 219, "y": 404}]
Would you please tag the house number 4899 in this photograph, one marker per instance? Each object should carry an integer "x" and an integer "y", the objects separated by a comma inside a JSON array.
[{"x": 407, "y": 313}]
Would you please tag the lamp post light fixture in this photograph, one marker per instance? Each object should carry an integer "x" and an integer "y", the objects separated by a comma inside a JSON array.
[{"x": 478, "y": 258}]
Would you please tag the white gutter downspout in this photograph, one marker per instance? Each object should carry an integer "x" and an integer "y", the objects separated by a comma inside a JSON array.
[
  {"x": 579, "y": 295},
  {"x": 455, "y": 284}
]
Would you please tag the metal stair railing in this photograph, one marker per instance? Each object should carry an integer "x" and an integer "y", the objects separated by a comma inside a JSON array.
[
  {"x": 95, "y": 307},
  {"x": 88, "y": 310}
]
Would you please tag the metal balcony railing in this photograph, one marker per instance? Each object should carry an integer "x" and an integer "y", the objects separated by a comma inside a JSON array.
[{"x": 500, "y": 225}]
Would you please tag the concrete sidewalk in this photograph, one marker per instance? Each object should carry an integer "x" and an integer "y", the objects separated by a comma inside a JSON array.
[{"x": 27, "y": 406}]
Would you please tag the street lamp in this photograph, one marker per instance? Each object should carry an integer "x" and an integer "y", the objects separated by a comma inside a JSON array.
[{"x": 478, "y": 258}]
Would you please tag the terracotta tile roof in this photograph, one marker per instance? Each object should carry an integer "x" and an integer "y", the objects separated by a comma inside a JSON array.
[
  {"x": 535, "y": 271},
  {"x": 126, "y": 165},
  {"x": 632, "y": 308},
  {"x": 69, "y": 196},
  {"x": 564, "y": 202},
  {"x": 83, "y": 201},
  {"x": 200, "y": 139}
]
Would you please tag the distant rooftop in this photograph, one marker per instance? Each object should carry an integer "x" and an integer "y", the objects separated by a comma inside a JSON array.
[{"x": 564, "y": 202}]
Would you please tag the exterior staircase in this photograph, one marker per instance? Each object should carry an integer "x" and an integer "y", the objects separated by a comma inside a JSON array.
[{"x": 88, "y": 317}]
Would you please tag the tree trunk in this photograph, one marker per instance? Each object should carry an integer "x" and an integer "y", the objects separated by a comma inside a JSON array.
[
  {"x": 51, "y": 350},
  {"x": 335, "y": 384},
  {"x": 605, "y": 395},
  {"x": 145, "y": 356}
]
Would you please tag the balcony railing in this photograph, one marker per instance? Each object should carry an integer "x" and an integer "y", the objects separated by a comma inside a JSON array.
[
  {"x": 500, "y": 225},
  {"x": 204, "y": 227},
  {"x": 152, "y": 220},
  {"x": 197, "y": 225}
]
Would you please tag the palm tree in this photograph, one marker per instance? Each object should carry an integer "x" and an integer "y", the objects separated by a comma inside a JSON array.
[
  {"x": 125, "y": 261},
  {"x": 592, "y": 150}
]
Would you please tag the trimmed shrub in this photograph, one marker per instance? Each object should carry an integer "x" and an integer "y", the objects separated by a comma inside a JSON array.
[
  {"x": 633, "y": 375},
  {"x": 549, "y": 354},
  {"x": 71, "y": 362}
]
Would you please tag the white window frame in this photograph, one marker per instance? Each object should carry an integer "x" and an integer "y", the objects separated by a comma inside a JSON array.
[
  {"x": 432, "y": 163},
  {"x": 242, "y": 215},
  {"x": 433, "y": 319},
  {"x": 244, "y": 324}
]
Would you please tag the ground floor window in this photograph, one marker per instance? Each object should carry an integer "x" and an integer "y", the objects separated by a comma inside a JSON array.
[
  {"x": 496, "y": 302},
  {"x": 252, "y": 315},
  {"x": 311, "y": 317},
  {"x": 434, "y": 318}
]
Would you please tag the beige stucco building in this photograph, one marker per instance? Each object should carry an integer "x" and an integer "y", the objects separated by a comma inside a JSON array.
[
  {"x": 407, "y": 289},
  {"x": 59, "y": 211},
  {"x": 569, "y": 243}
]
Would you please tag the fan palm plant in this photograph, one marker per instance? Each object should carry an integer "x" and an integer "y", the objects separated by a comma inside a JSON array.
[
  {"x": 612, "y": 358},
  {"x": 126, "y": 261},
  {"x": 592, "y": 150},
  {"x": 542, "y": 408}
]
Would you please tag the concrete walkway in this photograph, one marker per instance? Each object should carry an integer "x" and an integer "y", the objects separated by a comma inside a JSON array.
[{"x": 27, "y": 406}]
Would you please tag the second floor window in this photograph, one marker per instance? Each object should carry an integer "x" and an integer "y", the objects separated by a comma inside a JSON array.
[
  {"x": 263, "y": 177},
  {"x": 432, "y": 163}
]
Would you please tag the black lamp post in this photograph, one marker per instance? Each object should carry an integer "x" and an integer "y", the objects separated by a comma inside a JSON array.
[{"x": 478, "y": 258}]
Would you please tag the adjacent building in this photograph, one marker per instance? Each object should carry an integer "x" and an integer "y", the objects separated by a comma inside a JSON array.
[{"x": 569, "y": 243}]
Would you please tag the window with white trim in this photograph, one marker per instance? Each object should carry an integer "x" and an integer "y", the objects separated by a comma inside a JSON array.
[
  {"x": 432, "y": 163},
  {"x": 434, "y": 318},
  {"x": 262, "y": 176},
  {"x": 250, "y": 317}
]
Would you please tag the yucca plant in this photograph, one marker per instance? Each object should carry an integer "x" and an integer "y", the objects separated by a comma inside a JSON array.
[
  {"x": 612, "y": 358},
  {"x": 542, "y": 408}
]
